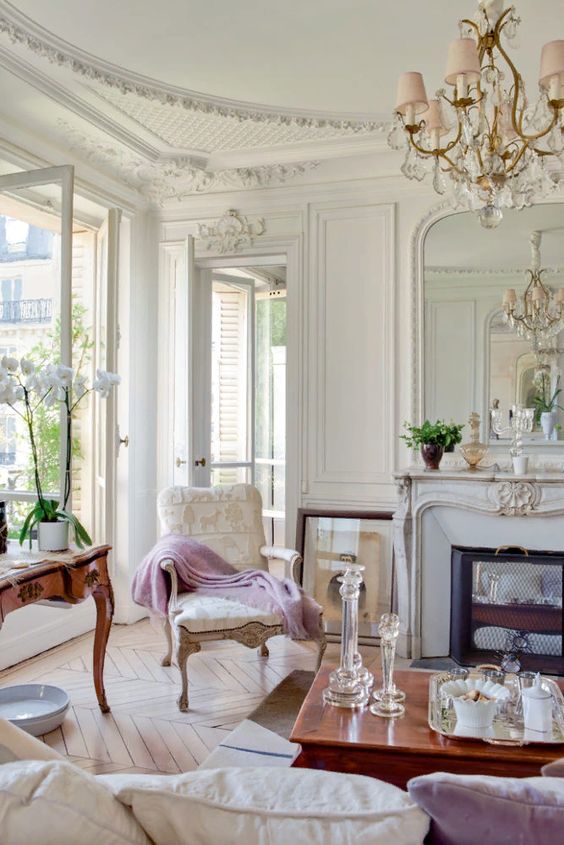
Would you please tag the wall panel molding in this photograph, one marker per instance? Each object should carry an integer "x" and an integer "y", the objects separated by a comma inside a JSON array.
[{"x": 351, "y": 352}]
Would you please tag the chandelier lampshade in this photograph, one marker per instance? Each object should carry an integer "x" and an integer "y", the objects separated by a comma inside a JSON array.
[
  {"x": 486, "y": 145},
  {"x": 411, "y": 94},
  {"x": 462, "y": 60},
  {"x": 552, "y": 69}
]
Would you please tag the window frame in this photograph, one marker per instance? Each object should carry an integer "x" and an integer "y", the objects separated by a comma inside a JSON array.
[{"x": 63, "y": 176}]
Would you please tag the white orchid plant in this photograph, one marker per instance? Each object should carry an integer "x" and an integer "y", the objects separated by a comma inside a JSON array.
[{"x": 24, "y": 387}]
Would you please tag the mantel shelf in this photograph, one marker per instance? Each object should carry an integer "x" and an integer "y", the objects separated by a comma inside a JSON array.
[{"x": 418, "y": 473}]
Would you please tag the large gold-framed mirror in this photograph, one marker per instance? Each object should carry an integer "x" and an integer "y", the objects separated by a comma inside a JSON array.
[{"x": 473, "y": 358}]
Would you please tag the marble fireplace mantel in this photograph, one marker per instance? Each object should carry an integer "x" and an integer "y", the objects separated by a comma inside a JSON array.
[{"x": 442, "y": 508}]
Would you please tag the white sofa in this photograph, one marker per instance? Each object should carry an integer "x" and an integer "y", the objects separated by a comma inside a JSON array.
[{"x": 46, "y": 800}]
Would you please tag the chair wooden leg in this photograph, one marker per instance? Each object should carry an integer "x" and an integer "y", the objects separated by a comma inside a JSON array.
[
  {"x": 186, "y": 647},
  {"x": 263, "y": 651},
  {"x": 166, "y": 661}
]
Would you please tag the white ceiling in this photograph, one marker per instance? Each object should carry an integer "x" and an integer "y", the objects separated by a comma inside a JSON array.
[
  {"x": 329, "y": 55},
  {"x": 460, "y": 241},
  {"x": 183, "y": 96}
]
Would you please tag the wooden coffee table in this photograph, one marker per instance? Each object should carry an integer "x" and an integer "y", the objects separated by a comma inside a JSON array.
[{"x": 396, "y": 750}]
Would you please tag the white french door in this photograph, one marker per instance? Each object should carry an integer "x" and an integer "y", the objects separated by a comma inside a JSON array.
[
  {"x": 222, "y": 360},
  {"x": 105, "y": 358}
]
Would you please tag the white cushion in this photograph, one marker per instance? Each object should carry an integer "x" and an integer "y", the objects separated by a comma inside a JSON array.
[
  {"x": 274, "y": 806},
  {"x": 210, "y": 613},
  {"x": 52, "y": 802},
  {"x": 15, "y": 744}
]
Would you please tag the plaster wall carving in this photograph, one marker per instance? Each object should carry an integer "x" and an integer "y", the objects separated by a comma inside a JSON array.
[
  {"x": 515, "y": 498},
  {"x": 231, "y": 233},
  {"x": 173, "y": 177},
  {"x": 23, "y": 31}
]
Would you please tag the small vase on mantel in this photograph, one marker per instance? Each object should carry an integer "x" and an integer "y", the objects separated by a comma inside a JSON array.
[
  {"x": 431, "y": 454},
  {"x": 474, "y": 451}
]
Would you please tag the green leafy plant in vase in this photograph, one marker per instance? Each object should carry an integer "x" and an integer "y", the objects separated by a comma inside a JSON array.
[
  {"x": 26, "y": 389},
  {"x": 546, "y": 406},
  {"x": 432, "y": 439}
]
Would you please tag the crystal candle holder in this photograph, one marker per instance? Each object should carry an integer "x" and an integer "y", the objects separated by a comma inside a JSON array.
[
  {"x": 385, "y": 701},
  {"x": 346, "y": 687}
]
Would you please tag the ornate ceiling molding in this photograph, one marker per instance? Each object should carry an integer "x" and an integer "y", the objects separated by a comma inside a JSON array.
[
  {"x": 167, "y": 178},
  {"x": 231, "y": 233},
  {"x": 21, "y": 30}
]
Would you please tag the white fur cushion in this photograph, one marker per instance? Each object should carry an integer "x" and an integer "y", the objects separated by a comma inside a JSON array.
[
  {"x": 274, "y": 806},
  {"x": 212, "y": 613},
  {"x": 55, "y": 803},
  {"x": 15, "y": 744}
]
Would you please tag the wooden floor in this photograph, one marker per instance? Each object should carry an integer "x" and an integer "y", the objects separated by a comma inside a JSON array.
[{"x": 145, "y": 731}]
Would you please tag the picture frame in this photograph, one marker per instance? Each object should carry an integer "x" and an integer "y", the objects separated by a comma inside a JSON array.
[{"x": 326, "y": 539}]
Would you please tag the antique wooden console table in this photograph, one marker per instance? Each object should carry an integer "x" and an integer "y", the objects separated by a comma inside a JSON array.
[{"x": 69, "y": 576}]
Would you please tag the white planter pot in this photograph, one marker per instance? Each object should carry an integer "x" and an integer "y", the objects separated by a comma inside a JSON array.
[
  {"x": 548, "y": 421},
  {"x": 52, "y": 536}
]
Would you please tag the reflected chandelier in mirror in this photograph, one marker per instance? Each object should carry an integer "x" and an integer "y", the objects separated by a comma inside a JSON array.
[{"x": 472, "y": 358}]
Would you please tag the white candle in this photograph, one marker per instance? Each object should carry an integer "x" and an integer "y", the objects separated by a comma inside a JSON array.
[
  {"x": 410, "y": 114},
  {"x": 461, "y": 86}
]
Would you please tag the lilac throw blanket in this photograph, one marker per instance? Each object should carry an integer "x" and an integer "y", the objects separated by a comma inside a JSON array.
[{"x": 200, "y": 568}]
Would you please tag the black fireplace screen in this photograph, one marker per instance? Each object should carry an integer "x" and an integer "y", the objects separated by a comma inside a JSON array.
[{"x": 507, "y": 602}]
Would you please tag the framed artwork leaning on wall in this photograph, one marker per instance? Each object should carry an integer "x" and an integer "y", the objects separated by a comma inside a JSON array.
[{"x": 327, "y": 539}]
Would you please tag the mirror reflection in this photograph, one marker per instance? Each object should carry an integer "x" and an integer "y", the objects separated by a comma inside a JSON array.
[{"x": 493, "y": 320}]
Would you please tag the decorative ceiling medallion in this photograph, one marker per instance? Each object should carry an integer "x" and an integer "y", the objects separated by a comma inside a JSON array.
[
  {"x": 174, "y": 178},
  {"x": 231, "y": 233},
  {"x": 22, "y": 30}
]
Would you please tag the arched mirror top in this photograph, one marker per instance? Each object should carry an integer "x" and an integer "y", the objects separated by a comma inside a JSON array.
[{"x": 475, "y": 354}]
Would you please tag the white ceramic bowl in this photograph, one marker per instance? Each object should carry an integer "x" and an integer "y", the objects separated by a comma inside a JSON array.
[
  {"x": 35, "y": 708},
  {"x": 454, "y": 689},
  {"x": 475, "y": 714}
]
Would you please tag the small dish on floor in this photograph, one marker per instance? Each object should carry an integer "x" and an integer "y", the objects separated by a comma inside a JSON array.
[{"x": 35, "y": 708}]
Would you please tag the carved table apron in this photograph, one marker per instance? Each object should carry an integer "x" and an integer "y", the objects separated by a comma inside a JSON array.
[{"x": 70, "y": 576}]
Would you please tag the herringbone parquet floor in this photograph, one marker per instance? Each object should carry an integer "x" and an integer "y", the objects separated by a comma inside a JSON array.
[{"x": 145, "y": 731}]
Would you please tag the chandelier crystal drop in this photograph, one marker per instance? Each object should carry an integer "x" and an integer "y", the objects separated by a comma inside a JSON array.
[
  {"x": 491, "y": 148},
  {"x": 539, "y": 315}
]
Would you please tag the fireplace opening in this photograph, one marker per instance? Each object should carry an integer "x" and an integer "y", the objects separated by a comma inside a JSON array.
[{"x": 505, "y": 602}]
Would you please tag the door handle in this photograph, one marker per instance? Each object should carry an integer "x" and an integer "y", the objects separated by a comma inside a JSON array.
[
  {"x": 201, "y": 462},
  {"x": 179, "y": 462}
]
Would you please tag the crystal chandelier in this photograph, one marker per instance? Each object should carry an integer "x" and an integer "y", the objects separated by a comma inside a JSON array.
[
  {"x": 483, "y": 141},
  {"x": 539, "y": 315}
]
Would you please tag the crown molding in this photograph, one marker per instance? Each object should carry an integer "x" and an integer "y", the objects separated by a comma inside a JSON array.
[
  {"x": 482, "y": 271},
  {"x": 22, "y": 30},
  {"x": 174, "y": 177},
  {"x": 61, "y": 95}
]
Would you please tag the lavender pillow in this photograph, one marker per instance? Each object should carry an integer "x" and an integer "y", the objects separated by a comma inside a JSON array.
[
  {"x": 471, "y": 809},
  {"x": 554, "y": 769}
]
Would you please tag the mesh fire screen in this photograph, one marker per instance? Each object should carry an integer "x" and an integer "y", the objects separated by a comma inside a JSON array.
[{"x": 508, "y": 602}]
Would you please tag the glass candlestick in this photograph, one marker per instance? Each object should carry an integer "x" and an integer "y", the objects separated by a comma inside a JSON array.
[
  {"x": 364, "y": 675},
  {"x": 385, "y": 703},
  {"x": 346, "y": 688}
]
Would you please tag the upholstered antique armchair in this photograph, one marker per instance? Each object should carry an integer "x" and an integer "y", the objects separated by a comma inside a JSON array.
[{"x": 228, "y": 520}]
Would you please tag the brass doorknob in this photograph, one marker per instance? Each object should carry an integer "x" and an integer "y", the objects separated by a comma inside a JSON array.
[
  {"x": 179, "y": 462},
  {"x": 201, "y": 462}
]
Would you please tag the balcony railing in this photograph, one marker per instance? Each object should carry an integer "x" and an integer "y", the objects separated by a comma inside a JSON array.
[{"x": 26, "y": 311}]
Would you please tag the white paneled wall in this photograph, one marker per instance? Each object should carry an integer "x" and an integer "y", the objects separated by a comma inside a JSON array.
[{"x": 351, "y": 289}]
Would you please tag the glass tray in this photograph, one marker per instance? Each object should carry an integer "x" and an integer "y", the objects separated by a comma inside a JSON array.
[{"x": 507, "y": 728}]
